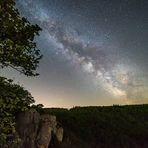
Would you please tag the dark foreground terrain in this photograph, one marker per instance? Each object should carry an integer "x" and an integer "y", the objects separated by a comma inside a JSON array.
[{"x": 102, "y": 127}]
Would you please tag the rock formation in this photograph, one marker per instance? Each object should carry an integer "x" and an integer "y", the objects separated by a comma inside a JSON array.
[
  {"x": 59, "y": 132},
  {"x": 36, "y": 130}
]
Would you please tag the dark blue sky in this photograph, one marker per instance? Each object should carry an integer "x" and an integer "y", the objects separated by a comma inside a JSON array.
[{"x": 95, "y": 52}]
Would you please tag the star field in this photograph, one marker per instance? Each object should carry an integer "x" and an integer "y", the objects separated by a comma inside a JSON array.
[{"x": 95, "y": 51}]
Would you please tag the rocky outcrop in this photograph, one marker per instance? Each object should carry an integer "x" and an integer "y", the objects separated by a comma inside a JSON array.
[
  {"x": 59, "y": 132},
  {"x": 47, "y": 126},
  {"x": 36, "y": 130}
]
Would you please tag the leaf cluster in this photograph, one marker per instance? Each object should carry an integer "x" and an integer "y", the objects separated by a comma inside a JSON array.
[{"x": 17, "y": 47}]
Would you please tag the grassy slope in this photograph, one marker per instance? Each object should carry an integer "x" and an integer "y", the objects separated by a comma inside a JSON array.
[{"x": 105, "y": 127}]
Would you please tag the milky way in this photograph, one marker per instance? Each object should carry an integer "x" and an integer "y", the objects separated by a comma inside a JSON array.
[{"x": 93, "y": 50}]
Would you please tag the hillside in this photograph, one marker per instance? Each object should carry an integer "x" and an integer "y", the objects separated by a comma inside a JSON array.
[{"x": 105, "y": 127}]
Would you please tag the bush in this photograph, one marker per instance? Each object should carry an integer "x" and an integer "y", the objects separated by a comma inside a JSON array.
[{"x": 13, "y": 99}]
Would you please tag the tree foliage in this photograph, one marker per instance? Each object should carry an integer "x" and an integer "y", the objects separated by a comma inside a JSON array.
[
  {"x": 13, "y": 99},
  {"x": 103, "y": 127},
  {"x": 17, "y": 48},
  {"x": 19, "y": 51}
]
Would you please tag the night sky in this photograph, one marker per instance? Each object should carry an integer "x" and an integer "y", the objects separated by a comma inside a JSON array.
[{"x": 95, "y": 52}]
